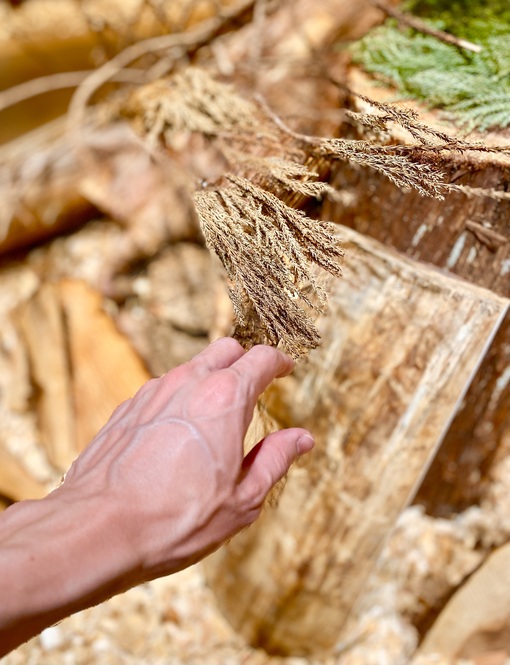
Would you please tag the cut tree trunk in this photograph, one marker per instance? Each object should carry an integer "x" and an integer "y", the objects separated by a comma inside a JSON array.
[
  {"x": 471, "y": 238},
  {"x": 400, "y": 347}
]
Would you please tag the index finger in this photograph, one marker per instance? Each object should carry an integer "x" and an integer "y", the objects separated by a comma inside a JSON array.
[
  {"x": 220, "y": 354},
  {"x": 260, "y": 365}
]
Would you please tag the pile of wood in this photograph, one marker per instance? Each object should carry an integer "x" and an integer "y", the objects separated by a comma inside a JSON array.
[{"x": 390, "y": 543}]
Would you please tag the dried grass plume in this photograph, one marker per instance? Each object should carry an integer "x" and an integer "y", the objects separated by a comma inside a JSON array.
[{"x": 250, "y": 216}]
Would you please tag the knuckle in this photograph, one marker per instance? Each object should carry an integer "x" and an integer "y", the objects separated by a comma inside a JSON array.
[
  {"x": 218, "y": 392},
  {"x": 263, "y": 351},
  {"x": 229, "y": 343},
  {"x": 228, "y": 384}
]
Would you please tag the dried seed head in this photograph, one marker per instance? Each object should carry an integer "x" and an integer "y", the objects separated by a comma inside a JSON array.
[{"x": 269, "y": 251}]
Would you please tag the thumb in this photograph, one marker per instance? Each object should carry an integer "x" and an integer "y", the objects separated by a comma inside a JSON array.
[{"x": 270, "y": 460}]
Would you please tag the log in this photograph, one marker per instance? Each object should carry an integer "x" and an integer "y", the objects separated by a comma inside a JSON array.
[
  {"x": 42, "y": 28},
  {"x": 40, "y": 178},
  {"x": 50, "y": 187},
  {"x": 470, "y": 237},
  {"x": 74, "y": 188},
  {"x": 47, "y": 37},
  {"x": 400, "y": 346}
]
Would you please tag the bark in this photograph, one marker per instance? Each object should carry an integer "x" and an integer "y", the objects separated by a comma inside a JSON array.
[{"x": 399, "y": 348}]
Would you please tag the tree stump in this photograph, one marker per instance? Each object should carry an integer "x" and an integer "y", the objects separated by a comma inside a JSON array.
[
  {"x": 469, "y": 237},
  {"x": 400, "y": 346}
]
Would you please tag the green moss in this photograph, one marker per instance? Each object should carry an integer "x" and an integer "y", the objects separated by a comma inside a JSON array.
[{"x": 474, "y": 87}]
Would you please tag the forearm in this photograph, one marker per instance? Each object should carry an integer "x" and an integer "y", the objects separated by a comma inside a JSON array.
[{"x": 58, "y": 555}]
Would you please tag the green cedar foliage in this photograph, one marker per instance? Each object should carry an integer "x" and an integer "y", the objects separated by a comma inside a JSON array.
[{"x": 473, "y": 87}]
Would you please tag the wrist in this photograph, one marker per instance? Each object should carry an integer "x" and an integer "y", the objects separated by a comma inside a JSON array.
[
  {"x": 100, "y": 561},
  {"x": 58, "y": 556}
]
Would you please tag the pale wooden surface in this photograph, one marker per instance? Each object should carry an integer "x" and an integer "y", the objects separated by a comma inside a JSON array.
[
  {"x": 42, "y": 328},
  {"x": 15, "y": 481},
  {"x": 470, "y": 237},
  {"x": 399, "y": 349},
  {"x": 477, "y": 618},
  {"x": 105, "y": 368},
  {"x": 82, "y": 367}
]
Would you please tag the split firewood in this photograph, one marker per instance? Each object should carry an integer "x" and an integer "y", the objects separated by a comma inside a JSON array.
[
  {"x": 47, "y": 36},
  {"x": 43, "y": 330},
  {"x": 39, "y": 184},
  {"x": 32, "y": 213},
  {"x": 48, "y": 188},
  {"x": 52, "y": 61},
  {"x": 400, "y": 344},
  {"x": 105, "y": 369},
  {"x": 82, "y": 367}
]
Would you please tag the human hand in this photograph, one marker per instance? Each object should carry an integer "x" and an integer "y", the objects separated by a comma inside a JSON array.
[
  {"x": 171, "y": 463},
  {"x": 164, "y": 483}
]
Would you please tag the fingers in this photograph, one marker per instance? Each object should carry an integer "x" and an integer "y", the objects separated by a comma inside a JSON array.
[
  {"x": 270, "y": 460},
  {"x": 220, "y": 354},
  {"x": 260, "y": 365}
]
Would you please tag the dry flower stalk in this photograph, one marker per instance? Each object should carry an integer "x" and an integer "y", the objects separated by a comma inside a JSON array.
[
  {"x": 267, "y": 249},
  {"x": 191, "y": 101},
  {"x": 270, "y": 250}
]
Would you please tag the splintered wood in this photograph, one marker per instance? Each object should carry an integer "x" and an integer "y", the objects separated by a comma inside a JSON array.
[
  {"x": 400, "y": 346},
  {"x": 50, "y": 187},
  {"x": 81, "y": 366}
]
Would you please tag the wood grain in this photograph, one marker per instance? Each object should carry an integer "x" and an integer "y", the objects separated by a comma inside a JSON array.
[{"x": 399, "y": 350}]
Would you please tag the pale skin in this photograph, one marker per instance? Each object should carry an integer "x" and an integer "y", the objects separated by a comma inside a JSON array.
[{"x": 163, "y": 484}]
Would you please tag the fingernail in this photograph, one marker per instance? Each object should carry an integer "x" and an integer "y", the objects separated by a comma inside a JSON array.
[{"x": 305, "y": 443}]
